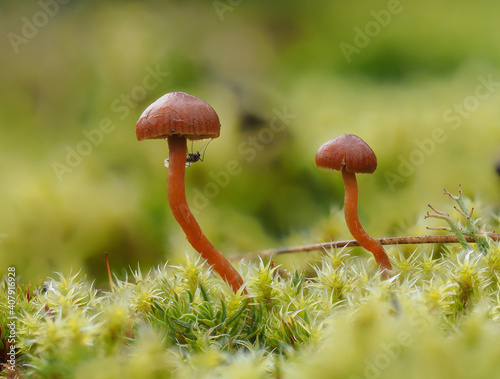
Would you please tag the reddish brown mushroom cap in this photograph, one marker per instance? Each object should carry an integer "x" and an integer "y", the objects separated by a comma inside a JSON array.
[
  {"x": 178, "y": 113},
  {"x": 349, "y": 151}
]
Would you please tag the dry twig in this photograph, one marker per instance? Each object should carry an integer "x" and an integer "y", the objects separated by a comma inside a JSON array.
[{"x": 350, "y": 243}]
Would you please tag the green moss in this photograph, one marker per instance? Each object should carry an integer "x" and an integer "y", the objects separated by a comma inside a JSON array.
[{"x": 437, "y": 317}]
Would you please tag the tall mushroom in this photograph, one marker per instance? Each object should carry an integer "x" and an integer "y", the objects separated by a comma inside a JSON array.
[
  {"x": 177, "y": 117},
  {"x": 349, "y": 154}
]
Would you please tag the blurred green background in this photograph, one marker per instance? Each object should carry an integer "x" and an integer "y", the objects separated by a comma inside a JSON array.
[{"x": 76, "y": 75}]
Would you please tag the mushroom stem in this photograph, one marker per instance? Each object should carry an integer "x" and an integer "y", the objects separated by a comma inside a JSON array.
[
  {"x": 180, "y": 209},
  {"x": 354, "y": 225}
]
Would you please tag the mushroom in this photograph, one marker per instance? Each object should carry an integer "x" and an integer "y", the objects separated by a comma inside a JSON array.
[
  {"x": 177, "y": 117},
  {"x": 349, "y": 154}
]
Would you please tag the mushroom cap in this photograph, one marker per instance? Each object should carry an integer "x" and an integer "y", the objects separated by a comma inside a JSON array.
[
  {"x": 349, "y": 151},
  {"x": 178, "y": 113}
]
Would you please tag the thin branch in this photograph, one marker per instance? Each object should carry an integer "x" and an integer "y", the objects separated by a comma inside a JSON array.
[
  {"x": 463, "y": 213},
  {"x": 352, "y": 243},
  {"x": 453, "y": 196},
  {"x": 438, "y": 228},
  {"x": 438, "y": 212}
]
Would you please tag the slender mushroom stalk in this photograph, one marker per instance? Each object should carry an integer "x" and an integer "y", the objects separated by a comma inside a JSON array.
[
  {"x": 178, "y": 116},
  {"x": 349, "y": 154},
  {"x": 180, "y": 209},
  {"x": 354, "y": 225}
]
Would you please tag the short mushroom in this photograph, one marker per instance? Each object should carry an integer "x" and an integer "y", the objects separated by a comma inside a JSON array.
[
  {"x": 349, "y": 154},
  {"x": 177, "y": 117}
]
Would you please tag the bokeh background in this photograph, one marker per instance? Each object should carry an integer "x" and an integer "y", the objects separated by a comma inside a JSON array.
[{"x": 76, "y": 75}]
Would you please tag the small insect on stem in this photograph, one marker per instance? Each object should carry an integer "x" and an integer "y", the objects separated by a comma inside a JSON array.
[{"x": 193, "y": 157}]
